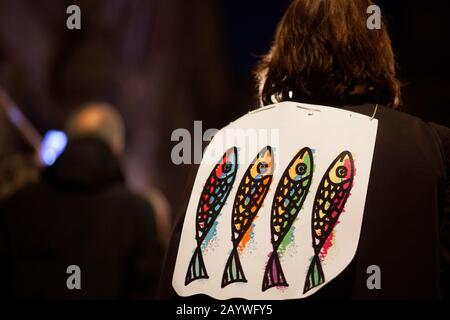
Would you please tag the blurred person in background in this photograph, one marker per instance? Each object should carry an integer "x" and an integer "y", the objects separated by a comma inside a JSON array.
[{"x": 81, "y": 213}]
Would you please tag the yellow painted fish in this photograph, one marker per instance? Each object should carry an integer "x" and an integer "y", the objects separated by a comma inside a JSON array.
[
  {"x": 287, "y": 202},
  {"x": 249, "y": 199}
]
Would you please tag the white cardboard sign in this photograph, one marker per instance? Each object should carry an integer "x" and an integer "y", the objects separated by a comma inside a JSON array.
[{"x": 277, "y": 205}]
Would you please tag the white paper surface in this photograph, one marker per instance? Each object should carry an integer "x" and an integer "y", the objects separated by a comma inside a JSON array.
[{"x": 287, "y": 128}]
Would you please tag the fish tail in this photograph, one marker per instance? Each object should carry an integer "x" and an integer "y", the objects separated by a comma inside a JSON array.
[
  {"x": 274, "y": 276},
  {"x": 315, "y": 274},
  {"x": 233, "y": 270},
  {"x": 196, "y": 269}
]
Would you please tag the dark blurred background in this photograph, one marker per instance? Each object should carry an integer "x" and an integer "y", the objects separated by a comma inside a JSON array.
[{"x": 166, "y": 63}]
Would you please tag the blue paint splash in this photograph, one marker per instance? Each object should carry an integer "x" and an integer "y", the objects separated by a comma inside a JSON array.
[{"x": 207, "y": 242}]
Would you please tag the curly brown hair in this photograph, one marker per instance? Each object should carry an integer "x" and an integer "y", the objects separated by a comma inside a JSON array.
[{"x": 324, "y": 53}]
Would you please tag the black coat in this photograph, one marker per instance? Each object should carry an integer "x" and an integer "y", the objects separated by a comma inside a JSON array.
[
  {"x": 406, "y": 225},
  {"x": 80, "y": 213}
]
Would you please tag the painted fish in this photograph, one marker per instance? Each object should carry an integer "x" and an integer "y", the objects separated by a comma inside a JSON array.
[
  {"x": 287, "y": 202},
  {"x": 249, "y": 199},
  {"x": 212, "y": 199},
  {"x": 331, "y": 196}
]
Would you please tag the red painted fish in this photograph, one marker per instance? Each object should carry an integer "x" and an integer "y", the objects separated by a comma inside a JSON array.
[{"x": 212, "y": 199}]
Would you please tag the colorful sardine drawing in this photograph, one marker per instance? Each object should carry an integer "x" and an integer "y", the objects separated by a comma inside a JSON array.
[
  {"x": 212, "y": 199},
  {"x": 331, "y": 196},
  {"x": 287, "y": 202},
  {"x": 249, "y": 199}
]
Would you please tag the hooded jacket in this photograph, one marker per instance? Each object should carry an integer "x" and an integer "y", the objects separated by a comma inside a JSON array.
[{"x": 80, "y": 214}]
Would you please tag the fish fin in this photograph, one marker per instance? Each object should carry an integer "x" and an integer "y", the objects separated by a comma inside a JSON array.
[
  {"x": 196, "y": 269},
  {"x": 233, "y": 270},
  {"x": 274, "y": 276},
  {"x": 315, "y": 275}
]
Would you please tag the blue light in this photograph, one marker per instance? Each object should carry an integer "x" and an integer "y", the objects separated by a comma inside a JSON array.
[{"x": 53, "y": 145}]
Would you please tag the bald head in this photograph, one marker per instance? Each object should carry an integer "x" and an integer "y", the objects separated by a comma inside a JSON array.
[{"x": 101, "y": 121}]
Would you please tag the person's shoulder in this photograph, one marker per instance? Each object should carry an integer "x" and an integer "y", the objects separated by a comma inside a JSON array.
[
  {"x": 126, "y": 211},
  {"x": 405, "y": 124},
  {"x": 136, "y": 204},
  {"x": 443, "y": 132},
  {"x": 415, "y": 132},
  {"x": 387, "y": 113},
  {"x": 443, "y": 136}
]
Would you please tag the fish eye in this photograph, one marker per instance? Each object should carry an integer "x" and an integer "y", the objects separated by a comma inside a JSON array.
[
  {"x": 341, "y": 172},
  {"x": 262, "y": 167},
  {"x": 301, "y": 169},
  {"x": 227, "y": 167}
]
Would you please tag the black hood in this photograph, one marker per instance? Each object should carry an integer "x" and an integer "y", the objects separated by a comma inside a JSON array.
[{"x": 87, "y": 163}]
